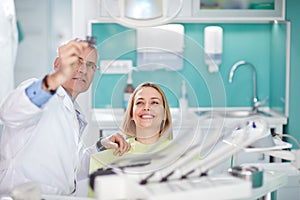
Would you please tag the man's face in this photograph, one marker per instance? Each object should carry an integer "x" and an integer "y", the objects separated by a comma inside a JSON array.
[{"x": 83, "y": 74}]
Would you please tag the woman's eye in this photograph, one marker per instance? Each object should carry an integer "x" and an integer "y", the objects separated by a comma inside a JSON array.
[
  {"x": 139, "y": 102},
  {"x": 155, "y": 102}
]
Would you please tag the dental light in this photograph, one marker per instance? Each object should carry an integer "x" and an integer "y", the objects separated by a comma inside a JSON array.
[
  {"x": 142, "y": 13},
  {"x": 143, "y": 9}
]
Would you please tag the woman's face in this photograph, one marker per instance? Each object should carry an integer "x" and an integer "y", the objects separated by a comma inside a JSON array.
[{"x": 148, "y": 109}]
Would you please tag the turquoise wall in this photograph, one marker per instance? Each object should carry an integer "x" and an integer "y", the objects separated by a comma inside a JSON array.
[
  {"x": 277, "y": 68},
  {"x": 293, "y": 127},
  {"x": 255, "y": 43}
]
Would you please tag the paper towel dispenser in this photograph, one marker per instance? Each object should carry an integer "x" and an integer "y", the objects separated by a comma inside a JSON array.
[{"x": 160, "y": 47}]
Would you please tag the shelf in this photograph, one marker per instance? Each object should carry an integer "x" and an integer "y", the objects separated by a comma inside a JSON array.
[
  {"x": 239, "y": 15},
  {"x": 192, "y": 12}
]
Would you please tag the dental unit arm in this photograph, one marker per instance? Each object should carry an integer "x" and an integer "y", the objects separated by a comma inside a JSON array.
[{"x": 144, "y": 178}]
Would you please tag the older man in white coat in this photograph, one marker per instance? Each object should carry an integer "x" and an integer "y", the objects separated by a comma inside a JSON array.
[{"x": 43, "y": 126}]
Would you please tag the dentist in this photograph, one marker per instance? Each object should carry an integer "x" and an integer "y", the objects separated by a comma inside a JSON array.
[{"x": 43, "y": 126}]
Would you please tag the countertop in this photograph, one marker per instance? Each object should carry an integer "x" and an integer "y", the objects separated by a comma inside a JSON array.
[
  {"x": 272, "y": 180},
  {"x": 108, "y": 119}
]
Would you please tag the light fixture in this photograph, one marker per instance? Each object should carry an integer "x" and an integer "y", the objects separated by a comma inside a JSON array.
[
  {"x": 142, "y": 13},
  {"x": 143, "y": 9}
]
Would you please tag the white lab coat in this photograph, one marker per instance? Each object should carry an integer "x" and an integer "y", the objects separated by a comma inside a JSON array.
[
  {"x": 8, "y": 46},
  {"x": 40, "y": 144}
]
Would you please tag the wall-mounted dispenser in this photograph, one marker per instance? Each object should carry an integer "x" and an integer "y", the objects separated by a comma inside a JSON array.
[
  {"x": 213, "y": 44},
  {"x": 160, "y": 47}
]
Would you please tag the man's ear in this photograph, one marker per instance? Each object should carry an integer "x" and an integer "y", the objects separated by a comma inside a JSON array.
[{"x": 56, "y": 63}]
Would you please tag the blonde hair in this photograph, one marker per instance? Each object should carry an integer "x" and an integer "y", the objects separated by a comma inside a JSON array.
[{"x": 128, "y": 125}]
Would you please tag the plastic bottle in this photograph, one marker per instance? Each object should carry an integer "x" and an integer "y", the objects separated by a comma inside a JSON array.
[
  {"x": 128, "y": 90},
  {"x": 183, "y": 101}
]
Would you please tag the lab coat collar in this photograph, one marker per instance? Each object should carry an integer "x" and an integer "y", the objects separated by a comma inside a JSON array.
[
  {"x": 62, "y": 93},
  {"x": 71, "y": 105}
]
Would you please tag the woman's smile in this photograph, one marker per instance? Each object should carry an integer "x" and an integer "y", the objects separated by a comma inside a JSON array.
[{"x": 147, "y": 116}]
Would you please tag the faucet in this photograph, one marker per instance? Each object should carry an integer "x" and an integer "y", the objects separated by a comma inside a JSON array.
[{"x": 255, "y": 101}]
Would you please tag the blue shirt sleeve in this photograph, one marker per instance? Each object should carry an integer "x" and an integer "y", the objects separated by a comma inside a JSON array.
[{"x": 36, "y": 94}]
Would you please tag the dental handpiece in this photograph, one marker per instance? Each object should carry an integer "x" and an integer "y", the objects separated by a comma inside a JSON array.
[{"x": 91, "y": 40}]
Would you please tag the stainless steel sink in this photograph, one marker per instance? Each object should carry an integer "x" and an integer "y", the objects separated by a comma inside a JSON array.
[
  {"x": 233, "y": 113},
  {"x": 239, "y": 113}
]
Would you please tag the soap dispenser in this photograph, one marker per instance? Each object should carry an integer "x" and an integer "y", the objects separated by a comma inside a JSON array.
[
  {"x": 128, "y": 90},
  {"x": 213, "y": 44}
]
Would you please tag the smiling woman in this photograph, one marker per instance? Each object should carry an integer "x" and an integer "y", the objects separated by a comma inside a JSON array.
[
  {"x": 148, "y": 114},
  {"x": 147, "y": 124}
]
